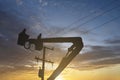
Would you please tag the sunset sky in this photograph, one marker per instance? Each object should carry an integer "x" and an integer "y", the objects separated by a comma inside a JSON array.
[{"x": 96, "y": 21}]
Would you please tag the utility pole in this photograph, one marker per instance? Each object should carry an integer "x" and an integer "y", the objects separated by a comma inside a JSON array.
[
  {"x": 43, "y": 61},
  {"x": 24, "y": 40}
]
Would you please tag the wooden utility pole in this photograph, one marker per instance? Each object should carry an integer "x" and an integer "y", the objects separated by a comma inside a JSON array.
[{"x": 43, "y": 61}]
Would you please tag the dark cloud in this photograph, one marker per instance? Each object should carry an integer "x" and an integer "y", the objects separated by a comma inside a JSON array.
[
  {"x": 10, "y": 26},
  {"x": 99, "y": 57},
  {"x": 10, "y": 52},
  {"x": 115, "y": 40},
  {"x": 98, "y": 52},
  {"x": 89, "y": 67},
  {"x": 108, "y": 61},
  {"x": 4, "y": 69}
]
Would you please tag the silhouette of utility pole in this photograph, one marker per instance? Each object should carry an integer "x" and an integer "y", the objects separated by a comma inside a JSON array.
[
  {"x": 48, "y": 61},
  {"x": 43, "y": 61}
]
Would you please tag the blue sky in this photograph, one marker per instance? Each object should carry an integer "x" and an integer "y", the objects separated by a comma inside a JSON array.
[{"x": 96, "y": 21}]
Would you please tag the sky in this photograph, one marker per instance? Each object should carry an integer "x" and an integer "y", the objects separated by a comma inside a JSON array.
[{"x": 96, "y": 21}]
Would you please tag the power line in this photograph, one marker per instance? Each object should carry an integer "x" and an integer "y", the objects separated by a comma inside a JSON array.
[
  {"x": 102, "y": 25},
  {"x": 63, "y": 30},
  {"x": 81, "y": 25},
  {"x": 89, "y": 14}
]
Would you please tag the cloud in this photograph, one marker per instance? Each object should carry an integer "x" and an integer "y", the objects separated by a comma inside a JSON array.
[
  {"x": 43, "y": 3},
  {"x": 12, "y": 24},
  {"x": 98, "y": 57},
  {"x": 19, "y": 2},
  {"x": 113, "y": 41},
  {"x": 1, "y": 35},
  {"x": 10, "y": 52}
]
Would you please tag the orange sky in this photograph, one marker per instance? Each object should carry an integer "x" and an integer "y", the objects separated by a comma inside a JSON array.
[{"x": 107, "y": 73}]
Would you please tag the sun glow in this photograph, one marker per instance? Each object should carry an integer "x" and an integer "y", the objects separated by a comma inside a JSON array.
[{"x": 59, "y": 78}]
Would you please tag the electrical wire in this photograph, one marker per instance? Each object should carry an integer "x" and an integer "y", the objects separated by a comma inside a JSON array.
[
  {"x": 70, "y": 26},
  {"x": 102, "y": 25},
  {"x": 81, "y": 25},
  {"x": 16, "y": 62}
]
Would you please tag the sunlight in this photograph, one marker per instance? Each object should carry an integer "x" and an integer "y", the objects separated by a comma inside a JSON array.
[{"x": 59, "y": 78}]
